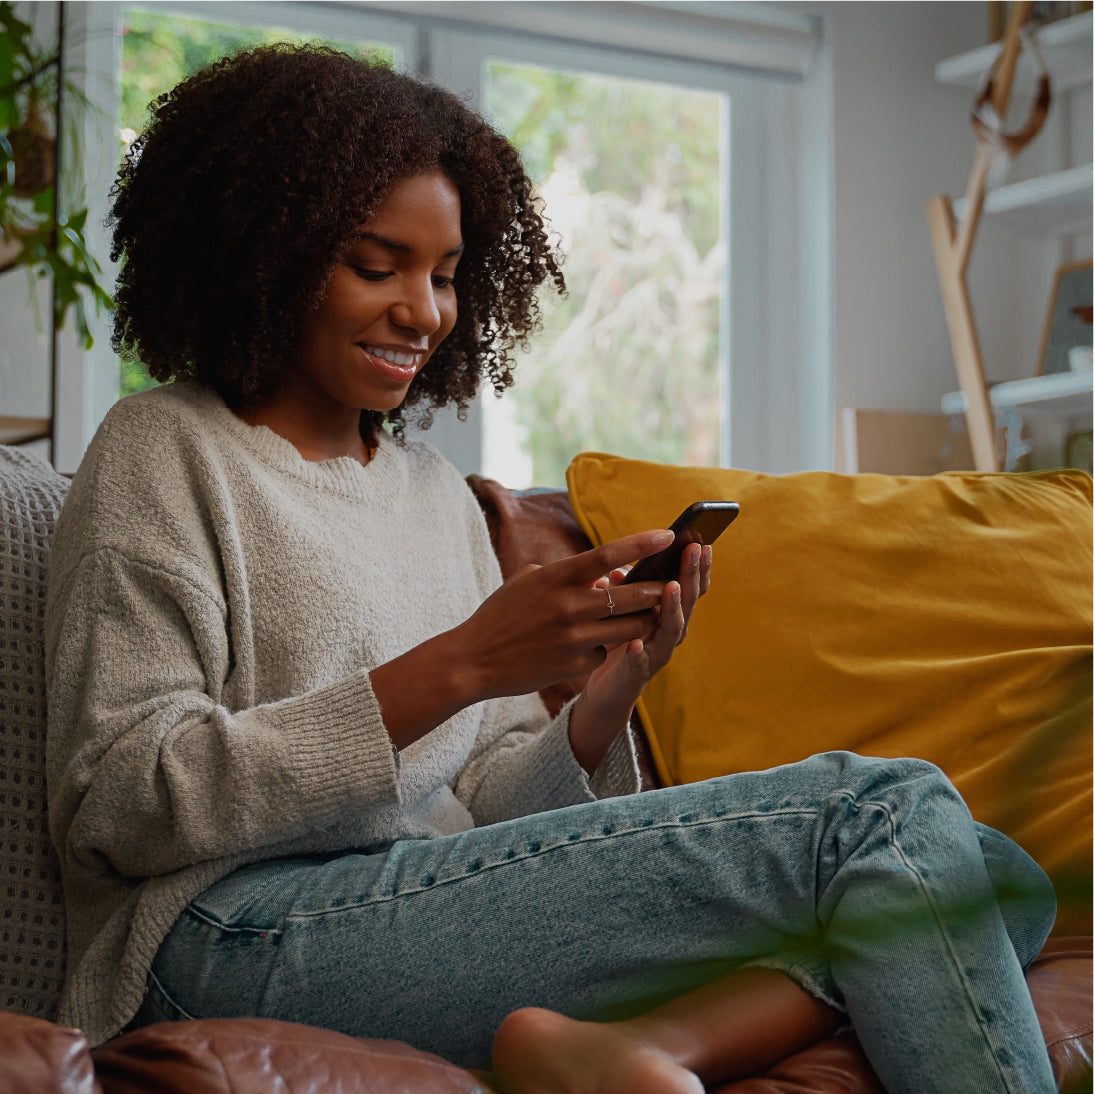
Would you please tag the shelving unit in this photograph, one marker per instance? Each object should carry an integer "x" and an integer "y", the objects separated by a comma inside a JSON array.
[
  {"x": 1050, "y": 407},
  {"x": 1057, "y": 204},
  {"x": 1066, "y": 394},
  {"x": 1064, "y": 45}
]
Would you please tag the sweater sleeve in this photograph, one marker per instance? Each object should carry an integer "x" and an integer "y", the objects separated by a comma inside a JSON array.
[
  {"x": 519, "y": 767},
  {"x": 522, "y": 762},
  {"x": 148, "y": 769}
]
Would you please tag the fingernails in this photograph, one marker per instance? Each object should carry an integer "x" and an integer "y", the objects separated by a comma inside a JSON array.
[{"x": 662, "y": 538}]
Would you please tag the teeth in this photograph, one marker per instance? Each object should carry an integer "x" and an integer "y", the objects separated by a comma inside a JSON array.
[{"x": 401, "y": 359}]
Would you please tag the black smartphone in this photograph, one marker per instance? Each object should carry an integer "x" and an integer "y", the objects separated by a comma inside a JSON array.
[{"x": 701, "y": 522}]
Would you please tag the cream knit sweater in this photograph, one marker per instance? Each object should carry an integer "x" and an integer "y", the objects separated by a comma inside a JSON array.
[{"x": 215, "y": 606}]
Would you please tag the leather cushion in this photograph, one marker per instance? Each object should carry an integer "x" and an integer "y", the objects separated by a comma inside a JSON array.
[{"x": 260, "y": 1056}]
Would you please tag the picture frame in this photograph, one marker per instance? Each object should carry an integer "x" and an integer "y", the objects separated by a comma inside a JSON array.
[{"x": 1068, "y": 322}]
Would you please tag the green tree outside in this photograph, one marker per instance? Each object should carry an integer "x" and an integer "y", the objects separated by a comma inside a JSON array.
[{"x": 628, "y": 362}]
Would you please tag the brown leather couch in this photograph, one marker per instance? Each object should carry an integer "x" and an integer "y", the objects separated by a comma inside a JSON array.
[{"x": 253, "y": 1056}]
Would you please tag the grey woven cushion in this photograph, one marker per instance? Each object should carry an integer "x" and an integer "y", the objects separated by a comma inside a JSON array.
[{"x": 32, "y": 923}]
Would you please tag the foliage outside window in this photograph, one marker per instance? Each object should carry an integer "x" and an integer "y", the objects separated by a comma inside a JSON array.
[{"x": 628, "y": 362}]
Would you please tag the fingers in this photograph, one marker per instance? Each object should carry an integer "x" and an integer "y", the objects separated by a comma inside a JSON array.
[
  {"x": 694, "y": 574},
  {"x": 586, "y": 567},
  {"x": 605, "y": 599},
  {"x": 670, "y": 630}
]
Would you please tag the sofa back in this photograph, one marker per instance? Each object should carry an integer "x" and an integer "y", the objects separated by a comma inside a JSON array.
[{"x": 32, "y": 922}]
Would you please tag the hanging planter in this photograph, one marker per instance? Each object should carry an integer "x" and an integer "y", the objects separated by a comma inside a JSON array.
[
  {"x": 33, "y": 152},
  {"x": 34, "y": 232}
]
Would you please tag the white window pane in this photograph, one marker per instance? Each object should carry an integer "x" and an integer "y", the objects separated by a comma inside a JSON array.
[{"x": 629, "y": 361}]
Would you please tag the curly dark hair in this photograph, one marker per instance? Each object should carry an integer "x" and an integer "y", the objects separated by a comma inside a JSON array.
[{"x": 249, "y": 183}]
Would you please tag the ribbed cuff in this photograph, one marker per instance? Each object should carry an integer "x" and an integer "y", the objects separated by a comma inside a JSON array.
[
  {"x": 336, "y": 733},
  {"x": 618, "y": 773}
]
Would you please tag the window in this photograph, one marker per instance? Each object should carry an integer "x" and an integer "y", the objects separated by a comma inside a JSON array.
[
  {"x": 683, "y": 159},
  {"x": 692, "y": 180},
  {"x": 628, "y": 361}
]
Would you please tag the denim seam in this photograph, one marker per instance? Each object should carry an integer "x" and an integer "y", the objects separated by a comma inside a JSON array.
[
  {"x": 158, "y": 985},
  {"x": 264, "y": 886},
  {"x": 529, "y": 855},
  {"x": 230, "y": 928},
  {"x": 925, "y": 892}
]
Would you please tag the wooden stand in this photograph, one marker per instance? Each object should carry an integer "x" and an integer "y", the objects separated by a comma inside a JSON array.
[{"x": 953, "y": 243}]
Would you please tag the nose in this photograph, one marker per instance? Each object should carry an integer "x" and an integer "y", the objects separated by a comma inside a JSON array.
[{"x": 416, "y": 307}]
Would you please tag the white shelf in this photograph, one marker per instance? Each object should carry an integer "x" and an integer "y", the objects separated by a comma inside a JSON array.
[
  {"x": 1056, "y": 204},
  {"x": 1060, "y": 394},
  {"x": 1064, "y": 45}
]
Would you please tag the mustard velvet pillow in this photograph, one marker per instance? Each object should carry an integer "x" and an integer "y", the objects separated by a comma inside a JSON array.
[{"x": 944, "y": 617}]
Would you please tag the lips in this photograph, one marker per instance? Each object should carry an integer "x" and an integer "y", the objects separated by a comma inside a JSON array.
[{"x": 399, "y": 365}]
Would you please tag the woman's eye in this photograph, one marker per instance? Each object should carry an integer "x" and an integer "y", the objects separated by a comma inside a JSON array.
[
  {"x": 371, "y": 275},
  {"x": 442, "y": 282}
]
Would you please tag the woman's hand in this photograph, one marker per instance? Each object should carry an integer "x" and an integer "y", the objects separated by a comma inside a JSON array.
[
  {"x": 544, "y": 625},
  {"x": 555, "y": 622},
  {"x": 605, "y": 706}
]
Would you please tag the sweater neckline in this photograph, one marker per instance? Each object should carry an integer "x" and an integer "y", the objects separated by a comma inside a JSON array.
[{"x": 340, "y": 475}]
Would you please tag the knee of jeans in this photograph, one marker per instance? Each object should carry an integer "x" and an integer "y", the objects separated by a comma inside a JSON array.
[
  {"x": 905, "y": 777},
  {"x": 930, "y": 782}
]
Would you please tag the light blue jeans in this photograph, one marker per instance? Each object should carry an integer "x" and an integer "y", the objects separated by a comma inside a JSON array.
[{"x": 867, "y": 881}]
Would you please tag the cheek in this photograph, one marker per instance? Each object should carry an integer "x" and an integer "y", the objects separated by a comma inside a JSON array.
[{"x": 449, "y": 310}]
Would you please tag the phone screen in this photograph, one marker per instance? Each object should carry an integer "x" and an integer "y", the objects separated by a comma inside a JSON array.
[{"x": 701, "y": 522}]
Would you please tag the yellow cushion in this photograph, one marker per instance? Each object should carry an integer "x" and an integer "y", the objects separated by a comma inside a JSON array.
[{"x": 944, "y": 617}]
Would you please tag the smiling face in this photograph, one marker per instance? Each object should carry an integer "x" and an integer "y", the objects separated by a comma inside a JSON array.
[{"x": 389, "y": 304}]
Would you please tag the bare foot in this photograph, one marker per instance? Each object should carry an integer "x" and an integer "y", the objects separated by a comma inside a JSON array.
[{"x": 541, "y": 1052}]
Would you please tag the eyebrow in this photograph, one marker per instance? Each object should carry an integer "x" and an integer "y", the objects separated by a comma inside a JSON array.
[{"x": 396, "y": 245}]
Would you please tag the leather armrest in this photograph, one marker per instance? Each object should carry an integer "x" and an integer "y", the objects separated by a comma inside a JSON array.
[
  {"x": 40, "y": 1057},
  {"x": 258, "y": 1055}
]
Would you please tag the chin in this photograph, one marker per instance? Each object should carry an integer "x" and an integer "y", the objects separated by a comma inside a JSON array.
[{"x": 382, "y": 405}]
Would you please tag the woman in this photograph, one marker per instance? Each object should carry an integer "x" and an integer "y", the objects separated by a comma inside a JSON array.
[{"x": 296, "y": 766}]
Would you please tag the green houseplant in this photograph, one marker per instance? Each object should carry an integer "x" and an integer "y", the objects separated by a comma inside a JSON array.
[{"x": 36, "y": 232}]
